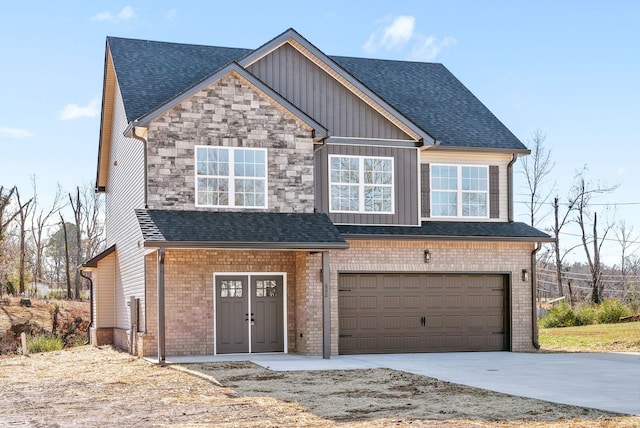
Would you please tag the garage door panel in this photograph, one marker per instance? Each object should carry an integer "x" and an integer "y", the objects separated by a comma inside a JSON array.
[{"x": 421, "y": 313}]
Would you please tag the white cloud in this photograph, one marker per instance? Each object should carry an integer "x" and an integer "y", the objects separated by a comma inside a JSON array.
[
  {"x": 74, "y": 111},
  {"x": 398, "y": 33},
  {"x": 621, "y": 171},
  {"x": 427, "y": 48},
  {"x": 171, "y": 15},
  {"x": 15, "y": 133},
  {"x": 392, "y": 36},
  {"x": 125, "y": 14}
]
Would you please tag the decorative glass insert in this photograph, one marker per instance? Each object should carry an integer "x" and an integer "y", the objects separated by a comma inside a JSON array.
[
  {"x": 230, "y": 288},
  {"x": 231, "y": 177},
  {"x": 266, "y": 288},
  {"x": 361, "y": 184},
  {"x": 459, "y": 191}
]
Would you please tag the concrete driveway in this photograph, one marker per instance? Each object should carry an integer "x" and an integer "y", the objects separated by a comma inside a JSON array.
[{"x": 605, "y": 381}]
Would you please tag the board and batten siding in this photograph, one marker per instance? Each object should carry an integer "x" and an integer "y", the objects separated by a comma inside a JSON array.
[
  {"x": 103, "y": 291},
  {"x": 124, "y": 193},
  {"x": 500, "y": 160},
  {"x": 312, "y": 90},
  {"x": 405, "y": 185}
]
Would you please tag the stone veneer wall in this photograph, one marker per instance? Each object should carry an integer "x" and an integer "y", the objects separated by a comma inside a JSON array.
[
  {"x": 459, "y": 257},
  {"x": 230, "y": 113}
]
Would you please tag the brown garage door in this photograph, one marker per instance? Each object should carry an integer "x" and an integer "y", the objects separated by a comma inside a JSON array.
[{"x": 391, "y": 313}]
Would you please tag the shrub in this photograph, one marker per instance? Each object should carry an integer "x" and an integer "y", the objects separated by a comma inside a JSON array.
[
  {"x": 586, "y": 315},
  {"x": 559, "y": 316},
  {"x": 610, "y": 311},
  {"x": 43, "y": 343}
]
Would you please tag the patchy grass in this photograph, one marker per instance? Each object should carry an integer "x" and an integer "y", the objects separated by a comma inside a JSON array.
[
  {"x": 43, "y": 343},
  {"x": 623, "y": 337}
]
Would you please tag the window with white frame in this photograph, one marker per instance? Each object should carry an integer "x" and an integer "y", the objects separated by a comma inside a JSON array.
[
  {"x": 459, "y": 191},
  {"x": 231, "y": 177},
  {"x": 361, "y": 184}
]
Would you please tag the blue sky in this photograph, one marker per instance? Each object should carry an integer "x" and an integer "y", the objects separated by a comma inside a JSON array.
[{"x": 568, "y": 68}]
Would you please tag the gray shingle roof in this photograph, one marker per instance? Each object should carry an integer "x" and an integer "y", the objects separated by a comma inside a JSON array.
[
  {"x": 151, "y": 73},
  {"x": 432, "y": 98},
  {"x": 238, "y": 230},
  {"x": 451, "y": 230}
]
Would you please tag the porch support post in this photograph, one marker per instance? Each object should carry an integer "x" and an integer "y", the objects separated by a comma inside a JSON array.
[
  {"x": 326, "y": 307},
  {"x": 161, "y": 352}
]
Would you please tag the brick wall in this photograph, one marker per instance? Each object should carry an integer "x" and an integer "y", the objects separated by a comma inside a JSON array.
[
  {"x": 231, "y": 113},
  {"x": 189, "y": 295},
  {"x": 189, "y": 287},
  {"x": 460, "y": 257}
]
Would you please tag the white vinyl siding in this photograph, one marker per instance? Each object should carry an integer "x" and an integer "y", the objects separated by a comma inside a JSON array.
[
  {"x": 125, "y": 193},
  {"x": 104, "y": 292}
]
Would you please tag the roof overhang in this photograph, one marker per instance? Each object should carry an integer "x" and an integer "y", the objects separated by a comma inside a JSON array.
[
  {"x": 238, "y": 230},
  {"x": 106, "y": 120},
  {"x": 441, "y": 148},
  {"x": 93, "y": 262}
]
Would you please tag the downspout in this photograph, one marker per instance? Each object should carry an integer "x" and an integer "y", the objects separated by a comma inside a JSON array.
[
  {"x": 140, "y": 133},
  {"x": 90, "y": 304},
  {"x": 161, "y": 325},
  {"x": 514, "y": 157},
  {"x": 534, "y": 286}
]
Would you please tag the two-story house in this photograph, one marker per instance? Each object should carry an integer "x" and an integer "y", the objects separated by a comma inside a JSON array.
[{"x": 281, "y": 200}]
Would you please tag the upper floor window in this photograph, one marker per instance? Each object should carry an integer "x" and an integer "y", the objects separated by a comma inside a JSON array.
[
  {"x": 231, "y": 177},
  {"x": 459, "y": 191},
  {"x": 361, "y": 184}
]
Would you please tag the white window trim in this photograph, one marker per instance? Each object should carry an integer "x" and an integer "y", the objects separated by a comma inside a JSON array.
[
  {"x": 231, "y": 177},
  {"x": 459, "y": 191},
  {"x": 361, "y": 184}
]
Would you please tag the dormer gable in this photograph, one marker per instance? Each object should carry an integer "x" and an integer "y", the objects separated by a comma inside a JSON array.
[{"x": 315, "y": 83}]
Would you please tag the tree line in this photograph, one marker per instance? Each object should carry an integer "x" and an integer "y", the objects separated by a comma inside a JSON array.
[
  {"x": 43, "y": 244},
  {"x": 588, "y": 279}
]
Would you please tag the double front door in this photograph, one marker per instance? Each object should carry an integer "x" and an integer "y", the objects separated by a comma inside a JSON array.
[{"x": 249, "y": 313}]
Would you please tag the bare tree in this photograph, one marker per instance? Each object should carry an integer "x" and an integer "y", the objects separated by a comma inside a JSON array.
[
  {"x": 66, "y": 255},
  {"x": 624, "y": 236},
  {"x": 559, "y": 223},
  {"x": 583, "y": 193},
  {"x": 536, "y": 168},
  {"x": 92, "y": 221},
  {"x": 23, "y": 213},
  {"x": 40, "y": 221},
  {"x": 77, "y": 207},
  {"x": 5, "y": 203}
]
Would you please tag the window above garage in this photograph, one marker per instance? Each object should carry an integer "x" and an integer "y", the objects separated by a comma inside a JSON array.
[
  {"x": 459, "y": 191},
  {"x": 361, "y": 184}
]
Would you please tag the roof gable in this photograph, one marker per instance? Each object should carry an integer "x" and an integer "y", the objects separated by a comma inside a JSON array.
[
  {"x": 319, "y": 130},
  {"x": 302, "y": 45}
]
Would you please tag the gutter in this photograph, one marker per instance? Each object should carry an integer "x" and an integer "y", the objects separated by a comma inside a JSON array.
[
  {"x": 400, "y": 237},
  {"x": 230, "y": 245},
  {"x": 510, "y": 185},
  {"x": 534, "y": 311}
]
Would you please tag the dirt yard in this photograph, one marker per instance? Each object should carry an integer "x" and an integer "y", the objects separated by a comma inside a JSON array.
[{"x": 89, "y": 386}]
